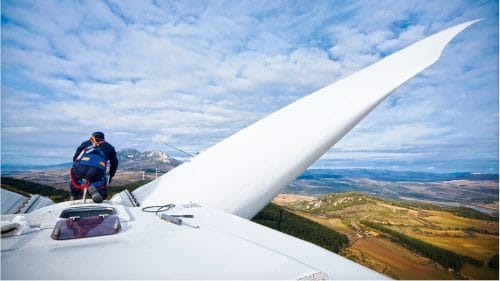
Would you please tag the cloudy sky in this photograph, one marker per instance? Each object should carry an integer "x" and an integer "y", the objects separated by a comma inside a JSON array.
[{"x": 194, "y": 72}]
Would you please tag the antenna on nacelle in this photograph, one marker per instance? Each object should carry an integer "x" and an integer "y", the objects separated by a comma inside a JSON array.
[{"x": 165, "y": 143}]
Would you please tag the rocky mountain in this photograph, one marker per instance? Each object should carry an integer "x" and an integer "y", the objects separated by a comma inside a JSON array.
[{"x": 133, "y": 159}]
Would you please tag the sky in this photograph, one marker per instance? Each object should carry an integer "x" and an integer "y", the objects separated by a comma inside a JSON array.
[{"x": 192, "y": 73}]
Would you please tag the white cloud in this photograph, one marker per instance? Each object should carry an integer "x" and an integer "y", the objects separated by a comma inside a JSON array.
[{"x": 196, "y": 72}]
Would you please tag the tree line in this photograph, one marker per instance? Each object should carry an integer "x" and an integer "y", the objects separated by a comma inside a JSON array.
[
  {"x": 459, "y": 211},
  {"x": 26, "y": 188},
  {"x": 447, "y": 259},
  {"x": 278, "y": 218}
]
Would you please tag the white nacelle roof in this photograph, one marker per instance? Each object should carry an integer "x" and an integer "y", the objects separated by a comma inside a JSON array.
[{"x": 224, "y": 247}]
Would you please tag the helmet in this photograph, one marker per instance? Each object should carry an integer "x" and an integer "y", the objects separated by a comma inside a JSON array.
[{"x": 98, "y": 135}]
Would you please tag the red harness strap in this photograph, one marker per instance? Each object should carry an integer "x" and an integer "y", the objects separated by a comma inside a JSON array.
[{"x": 74, "y": 182}]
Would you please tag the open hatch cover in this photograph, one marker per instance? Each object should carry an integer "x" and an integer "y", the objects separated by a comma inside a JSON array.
[{"x": 86, "y": 222}]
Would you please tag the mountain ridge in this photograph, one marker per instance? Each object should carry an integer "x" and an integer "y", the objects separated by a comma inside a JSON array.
[
  {"x": 133, "y": 159},
  {"x": 128, "y": 158}
]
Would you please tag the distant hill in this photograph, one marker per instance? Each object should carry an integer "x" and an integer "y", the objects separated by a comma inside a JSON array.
[
  {"x": 472, "y": 189},
  {"x": 325, "y": 204},
  {"x": 390, "y": 175}
]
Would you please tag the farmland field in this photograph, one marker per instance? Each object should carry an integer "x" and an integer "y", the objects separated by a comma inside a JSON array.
[
  {"x": 473, "y": 272},
  {"x": 445, "y": 219},
  {"x": 343, "y": 212},
  {"x": 398, "y": 262},
  {"x": 333, "y": 223},
  {"x": 481, "y": 246}
]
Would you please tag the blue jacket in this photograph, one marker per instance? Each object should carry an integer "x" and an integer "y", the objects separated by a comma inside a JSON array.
[{"x": 109, "y": 152}]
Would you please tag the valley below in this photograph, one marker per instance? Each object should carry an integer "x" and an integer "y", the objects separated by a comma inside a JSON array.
[{"x": 469, "y": 235}]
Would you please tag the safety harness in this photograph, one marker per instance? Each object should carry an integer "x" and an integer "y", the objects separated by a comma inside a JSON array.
[{"x": 92, "y": 156}]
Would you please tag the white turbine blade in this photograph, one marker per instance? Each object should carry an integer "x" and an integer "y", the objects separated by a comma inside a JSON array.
[{"x": 244, "y": 172}]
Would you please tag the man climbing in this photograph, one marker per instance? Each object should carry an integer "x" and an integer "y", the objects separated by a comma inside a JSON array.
[{"x": 90, "y": 163}]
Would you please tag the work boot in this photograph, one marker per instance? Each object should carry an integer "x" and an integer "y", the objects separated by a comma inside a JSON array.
[{"x": 96, "y": 196}]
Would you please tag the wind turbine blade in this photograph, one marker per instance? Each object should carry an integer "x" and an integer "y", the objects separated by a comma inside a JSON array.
[{"x": 244, "y": 172}]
